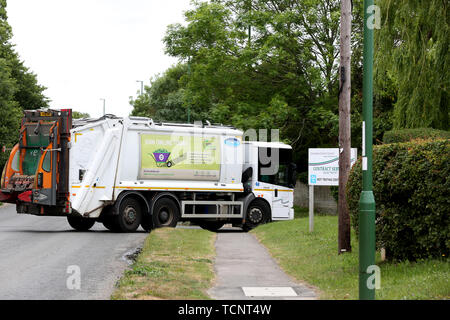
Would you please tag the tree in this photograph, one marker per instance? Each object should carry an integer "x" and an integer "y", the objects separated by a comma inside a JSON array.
[
  {"x": 29, "y": 93},
  {"x": 19, "y": 88},
  {"x": 80, "y": 115},
  {"x": 284, "y": 76},
  {"x": 163, "y": 99},
  {"x": 412, "y": 61},
  {"x": 9, "y": 111}
]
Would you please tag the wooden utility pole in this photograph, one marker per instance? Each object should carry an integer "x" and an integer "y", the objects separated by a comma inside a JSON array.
[{"x": 344, "y": 244}]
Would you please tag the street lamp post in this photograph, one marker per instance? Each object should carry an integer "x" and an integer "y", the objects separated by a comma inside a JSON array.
[
  {"x": 189, "y": 105},
  {"x": 103, "y": 105},
  {"x": 142, "y": 86},
  {"x": 367, "y": 199}
]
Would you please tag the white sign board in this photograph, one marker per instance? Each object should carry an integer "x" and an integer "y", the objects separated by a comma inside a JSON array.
[{"x": 323, "y": 166}]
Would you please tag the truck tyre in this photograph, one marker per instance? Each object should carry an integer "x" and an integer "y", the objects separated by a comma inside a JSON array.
[
  {"x": 212, "y": 226},
  {"x": 110, "y": 223},
  {"x": 258, "y": 212},
  {"x": 130, "y": 215},
  {"x": 165, "y": 213},
  {"x": 79, "y": 223},
  {"x": 147, "y": 223}
]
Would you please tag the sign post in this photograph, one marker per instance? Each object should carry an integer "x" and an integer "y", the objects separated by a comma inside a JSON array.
[
  {"x": 311, "y": 208},
  {"x": 367, "y": 199}
]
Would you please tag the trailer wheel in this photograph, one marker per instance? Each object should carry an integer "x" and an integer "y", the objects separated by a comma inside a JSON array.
[
  {"x": 258, "y": 212},
  {"x": 130, "y": 215},
  {"x": 165, "y": 213},
  {"x": 79, "y": 223}
]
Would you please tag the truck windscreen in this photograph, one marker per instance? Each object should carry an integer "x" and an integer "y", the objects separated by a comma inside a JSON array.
[{"x": 269, "y": 171}]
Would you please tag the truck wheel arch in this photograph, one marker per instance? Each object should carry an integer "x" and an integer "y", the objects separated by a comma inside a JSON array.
[
  {"x": 246, "y": 200},
  {"x": 251, "y": 198},
  {"x": 135, "y": 194},
  {"x": 160, "y": 195}
]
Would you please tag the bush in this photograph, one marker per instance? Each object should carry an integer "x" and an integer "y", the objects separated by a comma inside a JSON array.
[
  {"x": 405, "y": 135},
  {"x": 411, "y": 189},
  {"x": 303, "y": 177}
]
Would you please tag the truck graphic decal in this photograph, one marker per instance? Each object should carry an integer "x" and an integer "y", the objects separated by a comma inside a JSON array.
[
  {"x": 161, "y": 155},
  {"x": 180, "y": 156}
]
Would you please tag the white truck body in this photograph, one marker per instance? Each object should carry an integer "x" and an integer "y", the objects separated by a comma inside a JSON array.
[{"x": 109, "y": 152}]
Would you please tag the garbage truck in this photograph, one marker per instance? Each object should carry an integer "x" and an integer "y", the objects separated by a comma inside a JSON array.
[{"x": 133, "y": 171}]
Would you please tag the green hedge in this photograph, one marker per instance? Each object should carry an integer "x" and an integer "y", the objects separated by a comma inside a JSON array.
[
  {"x": 405, "y": 135},
  {"x": 412, "y": 194}
]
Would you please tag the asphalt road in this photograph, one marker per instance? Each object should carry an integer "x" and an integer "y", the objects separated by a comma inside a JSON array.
[{"x": 44, "y": 258}]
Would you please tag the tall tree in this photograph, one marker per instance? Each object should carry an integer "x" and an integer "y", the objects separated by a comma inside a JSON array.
[
  {"x": 411, "y": 56},
  {"x": 28, "y": 92},
  {"x": 284, "y": 76},
  {"x": 163, "y": 99},
  {"x": 19, "y": 88}
]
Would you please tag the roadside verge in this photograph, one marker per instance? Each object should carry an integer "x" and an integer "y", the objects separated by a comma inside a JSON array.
[
  {"x": 173, "y": 264},
  {"x": 313, "y": 258}
]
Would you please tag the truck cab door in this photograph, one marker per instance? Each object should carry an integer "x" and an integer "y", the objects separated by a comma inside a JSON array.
[
  {"x": 281, "y": 202},
  {"x": 276, "y": 178}
]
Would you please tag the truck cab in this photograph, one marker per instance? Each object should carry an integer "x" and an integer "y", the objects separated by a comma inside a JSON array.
[{"x": 274, "y": 176}]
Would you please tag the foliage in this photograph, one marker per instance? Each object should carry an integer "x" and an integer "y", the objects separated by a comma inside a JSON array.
[
  {"x": 412, "y": 192},
  {"x": 412, "y": 61},
  {"x": 405, "y": 135},
  {"x": 310, "y": 257},
  {"x": 19, "y": 89},
  {"x": 270, "y": 65},
  {"x": 9, "y": 112},
  {"x": 273, "y": 64},
  {"x": 80, "y": 115},
  {"x": 163, "y": 99}
]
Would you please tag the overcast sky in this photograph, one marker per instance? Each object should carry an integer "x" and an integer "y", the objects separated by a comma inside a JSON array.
[{"x": 85, "y": 50}]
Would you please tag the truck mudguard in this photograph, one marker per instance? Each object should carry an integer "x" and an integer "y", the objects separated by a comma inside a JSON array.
[
  {"x": 125, "y": 194},
  {"x": 161, "y": 195}
]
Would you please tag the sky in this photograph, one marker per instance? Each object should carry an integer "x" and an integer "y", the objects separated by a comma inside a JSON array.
[{"x": 87, "y": 50}]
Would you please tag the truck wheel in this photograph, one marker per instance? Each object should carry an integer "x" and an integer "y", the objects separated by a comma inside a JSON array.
[
  {"x": 147, "y": 223},
  {"x": 212, "y": 226},
  {"x": 79, "y": 223},
  {"x": 258, "y": 212},
  {"x": 130, "y": 215},
  {"x": 165, "y": 213},
  {"x": 110, "y": 223}
]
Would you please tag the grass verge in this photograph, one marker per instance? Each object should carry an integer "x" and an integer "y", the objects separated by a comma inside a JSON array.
[
  {"x": 313, "y": 258},
  {"x": 173, "y": 264}
]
